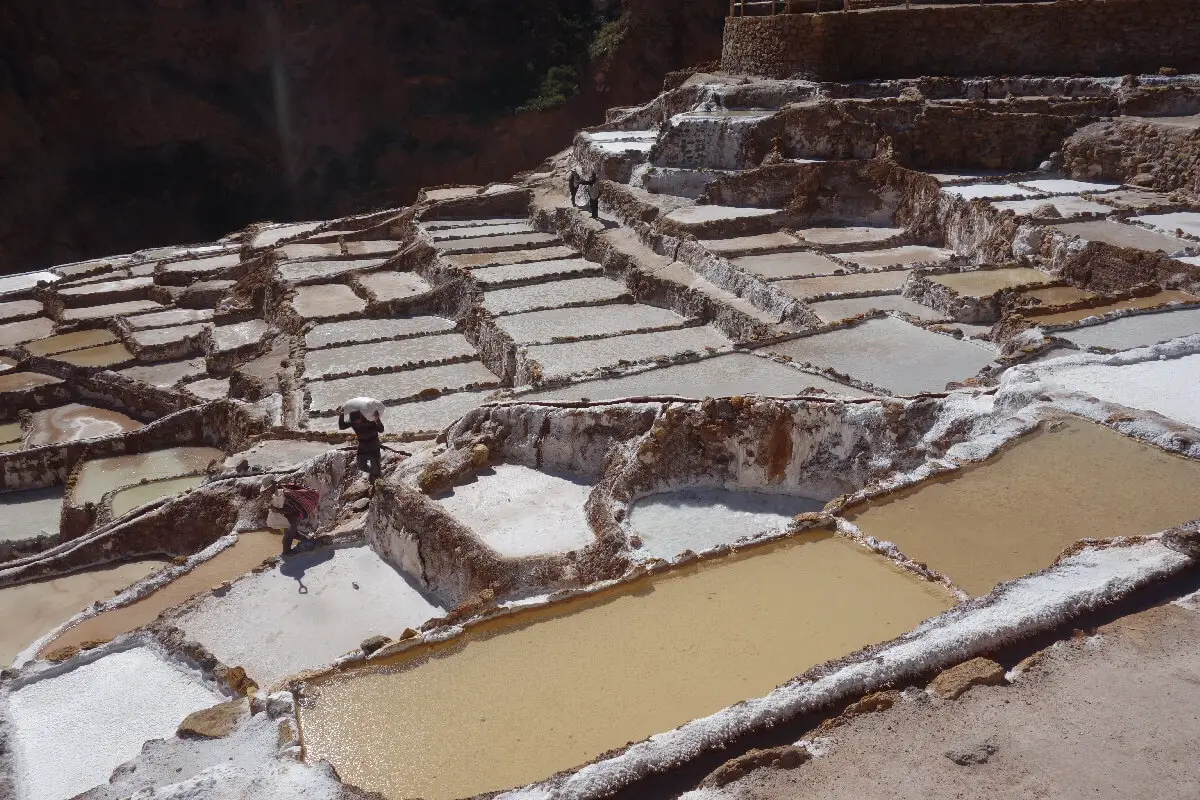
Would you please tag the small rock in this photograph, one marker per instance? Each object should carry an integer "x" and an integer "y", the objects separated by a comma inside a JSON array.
[
  {"x": 957, "y": 680},
  {"x": 61, "y": 654},
  {"x": 979, "y": 754},
  {"x": 480, "y": 456},
  {"x": 286, "y": 736},
  {"x": 1045, "y": 211},
  {"x": 374, "y": 643},
  {"x": 214, "y": 723},
  {"x": 280, "y": 704},
  {"x": 92, "y": 644},
  {"x": 787, "y": 757},
  {"x": 237, "y": 680}
]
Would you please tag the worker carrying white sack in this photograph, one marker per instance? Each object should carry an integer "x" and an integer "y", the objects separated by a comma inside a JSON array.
[{"x": 364, "y": 416}]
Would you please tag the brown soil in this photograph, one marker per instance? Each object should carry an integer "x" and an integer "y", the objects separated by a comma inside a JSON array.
[{"x": 1114, "y": 716}]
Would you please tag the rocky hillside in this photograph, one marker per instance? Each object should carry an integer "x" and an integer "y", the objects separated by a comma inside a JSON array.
[{"x": 126, "y": 125}]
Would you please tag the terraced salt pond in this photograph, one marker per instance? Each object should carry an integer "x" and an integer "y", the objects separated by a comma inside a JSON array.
[
  {"x": 74, "y": 422},
  {"x": 127, "y": 500},
  {"x": 518, "y": 511},
  {"x": 1017, "y": 511},
  {"x": 698, "y": 519},
  {"x": 30, "y": 513},
  {"x": 981, "y": 283},
  {"x": 34, "y": 609},
  {"x": 251, "y": 550},
  {"x": 609, "y": 669},
  {"x": 96, "y": 478}
]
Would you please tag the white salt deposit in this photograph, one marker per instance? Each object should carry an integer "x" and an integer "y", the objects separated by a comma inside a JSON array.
[
  {"x": 71, "y": 730},
  {"x": 306, "y": 611},
  {"x": 1186, "y": 221},
  {"x": 1066, "y": 186},
  {"x": 699, "y": 519},
  {"x": 989, "y": 191},
  {"x": 1167, "y": 387},
  {"x": 518, "y": 511}
]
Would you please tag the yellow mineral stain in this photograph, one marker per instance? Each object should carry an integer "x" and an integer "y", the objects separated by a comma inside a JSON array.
[
  {"x": 127, "y": 500},
  {"x": 74, "y": 422},
  {"x": 1067, "y": 317},
  {"x": 514, "y": 701},
  {"x": 1058, "y": 295},
  {"x": 1014, "y": 513},
  {"x": 981, "y": 283},
  {"x": 250, "y": 551},
  {"x": 102, "y": 475},
  {"x": 70, "y": 341},
  {"x": 107, "y": 355},
  {"x": 34, "y": 609}
]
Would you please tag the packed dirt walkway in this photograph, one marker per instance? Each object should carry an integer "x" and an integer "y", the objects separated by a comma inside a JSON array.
[{"x": 1115, "y": 715}]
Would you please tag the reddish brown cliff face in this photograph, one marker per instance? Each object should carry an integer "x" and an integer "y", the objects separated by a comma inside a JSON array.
[{"x": 126, "y": 125}]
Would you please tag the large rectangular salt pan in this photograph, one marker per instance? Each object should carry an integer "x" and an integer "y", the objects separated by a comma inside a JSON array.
[
  {"x": 572, "y": 358},
  {"x": 1140, "y": 330},
  {"x": 74, "y": 729},
  {"x": 722, "y": 376},
  {"x": 306, "y": 612},
  {"x": 1166, "y": 387},
  {"x": 369, "y": 330},
  {"x": 328, "y": 396},
  {"x": 357, "y": 359},
  {"x": 891, "y": 354},
  {"x": 561, "y": 323},
  {"x": 577, "y": 291},
  {"x": 518, "y": 511}
]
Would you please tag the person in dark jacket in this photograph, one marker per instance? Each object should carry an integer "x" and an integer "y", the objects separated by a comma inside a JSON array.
[{"x": 369, "y": 448}]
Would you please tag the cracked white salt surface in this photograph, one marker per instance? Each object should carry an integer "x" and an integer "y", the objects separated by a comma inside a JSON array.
[
  {"x": 698, "y": 519},
  {"x": 518, "y": 511},
  {"x": 72, "y": 730},
  {"x": 1024, "y": 607},
  {"x": 1167, "y": 387},
  {"x": 306, "y": 611}
]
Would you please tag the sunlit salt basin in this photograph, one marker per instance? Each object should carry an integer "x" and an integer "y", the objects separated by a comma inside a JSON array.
[
  {"x": 96, "y": 478},
  {"x": 1014, "y": 513},
  {"x": 551, "y": 689},
  {"x": 75, "y": 422},
  {"x": 73, "y": 729},
  {"x": 518, "y": 511},
  {"x": 697, "y": 519}
]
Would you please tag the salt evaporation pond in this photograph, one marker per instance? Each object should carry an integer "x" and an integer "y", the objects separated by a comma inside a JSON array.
[
  {"x": 250, "y": 551},
  {"x": 72, "y": 730},
  {"x": 34, "y": 609},
  {"x": 74, "y": 422},
  {"x": 1166, "y": 387},
  {"x": 1014, "y": 513},
  {"x": 697, "y": 519},
  {"x": 518, "y": 511},
  {"x": 306, "y": 611},
  {"x": 515, "y": 700},
  {"x": 30, "y": 513},
  {"x": 127, "y": 500},
  {"x": 96, "y": 478}
]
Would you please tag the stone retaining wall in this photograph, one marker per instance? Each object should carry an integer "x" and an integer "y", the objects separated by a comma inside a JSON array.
[{"x": 1094, "y": 37}]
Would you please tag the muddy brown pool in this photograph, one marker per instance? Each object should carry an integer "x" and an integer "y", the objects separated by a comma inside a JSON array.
[
  {"x": 1014, "y": 513},
  {"x": 514, "y": 701},
  {"x": 251, "y": 550},
  {"x": 34, "y": 609}
]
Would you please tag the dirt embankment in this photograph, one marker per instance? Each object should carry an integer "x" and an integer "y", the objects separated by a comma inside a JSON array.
[{"x": 136, "y": 124}]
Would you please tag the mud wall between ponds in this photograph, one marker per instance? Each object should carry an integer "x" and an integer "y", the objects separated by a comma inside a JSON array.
[{"x": 1113, "y": 37}]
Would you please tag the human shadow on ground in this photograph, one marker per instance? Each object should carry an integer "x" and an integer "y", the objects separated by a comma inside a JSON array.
[{"x": 295, "y": 566}]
